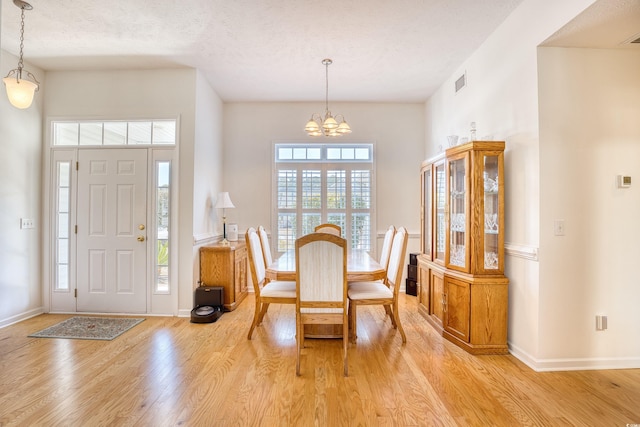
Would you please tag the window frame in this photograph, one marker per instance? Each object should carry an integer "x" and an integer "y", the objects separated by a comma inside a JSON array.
[{"x": 323, "y": 164}]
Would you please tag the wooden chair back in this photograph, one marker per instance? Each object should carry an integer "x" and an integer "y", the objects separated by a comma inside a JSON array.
[
  {"x": 328, "y": 228},
  {"x": 396, "y": 260},
  {"x": 266, "y": 247},
  {"x": 321, "y": 286},
  {"x": 256, "y": 259},
  {"x": 386, "y": 246}
]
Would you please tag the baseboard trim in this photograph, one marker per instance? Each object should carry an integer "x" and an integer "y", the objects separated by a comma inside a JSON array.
[
  {"x": 20, "y": 317},
  {"x": 184, "y": 313},
  {"x": 577, "y": 364}
]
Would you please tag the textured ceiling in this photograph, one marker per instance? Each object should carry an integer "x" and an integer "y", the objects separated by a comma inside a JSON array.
[
  {"x": 383, "y": 50},
  {"x": 266, "y": 50}
]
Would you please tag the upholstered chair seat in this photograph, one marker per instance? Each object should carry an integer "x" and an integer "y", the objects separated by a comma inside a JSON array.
[
  {"x": 278, "y": 289},
  {"x": 369, "y": 291}
]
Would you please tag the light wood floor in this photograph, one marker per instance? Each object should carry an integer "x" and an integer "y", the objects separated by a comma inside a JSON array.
[{"x": 168, "y": 371}]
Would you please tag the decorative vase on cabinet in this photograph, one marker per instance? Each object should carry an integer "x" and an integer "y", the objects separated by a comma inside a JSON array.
[{"x": 463, "y": 290}]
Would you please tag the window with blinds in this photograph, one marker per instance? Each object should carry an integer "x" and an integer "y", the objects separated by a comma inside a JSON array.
[{"x": 316, "y": 184}]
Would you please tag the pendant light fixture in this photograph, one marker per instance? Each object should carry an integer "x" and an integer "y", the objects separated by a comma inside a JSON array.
[
  {"x": 21, "y": 84},
  {"x": 329, "y": 126}
]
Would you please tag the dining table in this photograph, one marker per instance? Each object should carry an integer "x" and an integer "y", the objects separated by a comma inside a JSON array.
[{"x": 361, "y": 267}]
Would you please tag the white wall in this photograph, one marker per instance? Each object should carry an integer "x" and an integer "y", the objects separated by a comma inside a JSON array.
[
  {"x": 589, "y": 134},
  {"x": 141, "y": 95},
  {"x": 207, "y": 176},
  {"x": 397, "y": 130},
  {"x": 20, "y": 174},
  {"x": 207, "y": 163},
  {"x": 502, "y": 98}
]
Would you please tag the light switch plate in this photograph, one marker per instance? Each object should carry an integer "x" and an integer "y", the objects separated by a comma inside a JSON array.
[
  {"x": 558, "y": 227},
  {"x": 26, "y": 223}
]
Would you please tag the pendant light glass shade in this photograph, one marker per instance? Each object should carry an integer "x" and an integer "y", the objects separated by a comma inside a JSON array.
[
  {"x": 330, "y": 123},
  {"x": 20, "y": 91},
  {"x": 312, "y": 126},
  {"x": 343, "y": 128}
]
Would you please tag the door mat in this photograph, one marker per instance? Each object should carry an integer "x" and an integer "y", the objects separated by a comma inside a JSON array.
[{"x": 89, "y": 328}]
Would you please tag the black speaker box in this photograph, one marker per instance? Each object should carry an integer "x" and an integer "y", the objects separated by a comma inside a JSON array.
[
  {"x": 411, "y": 287},
  {"x": 412, "y": 272},
  {"x": 413, "y": 258},
  {"x": 208, "y": 301}
]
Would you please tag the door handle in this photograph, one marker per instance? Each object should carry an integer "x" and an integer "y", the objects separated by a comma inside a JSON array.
[
  {"x": 141, "y": 227},
  {"x": 140, "y": 238}
]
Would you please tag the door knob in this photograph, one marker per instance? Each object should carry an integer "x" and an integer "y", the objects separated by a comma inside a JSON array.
[
  {"x": 140, "y": 238},
  {"x": 141, "y": 227}
]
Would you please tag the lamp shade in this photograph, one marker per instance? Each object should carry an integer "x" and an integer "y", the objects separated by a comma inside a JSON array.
[
  {"x": 312, "y": 126},
  {"x": 20, "y": 91},
  {"x": 224, "y": 201},
  {"x": 330, "y": 123}
]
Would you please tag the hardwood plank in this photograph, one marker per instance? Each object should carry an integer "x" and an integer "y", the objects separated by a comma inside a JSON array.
[{"x": 167, "y": 371}]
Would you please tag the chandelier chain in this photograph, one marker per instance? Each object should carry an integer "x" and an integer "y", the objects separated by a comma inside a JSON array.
[
  {"x": 20, "y": 63},
  {"x": 326, "y": 104}
]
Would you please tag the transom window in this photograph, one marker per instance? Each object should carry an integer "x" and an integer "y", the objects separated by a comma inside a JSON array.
[
  {"x": 316, "y": 184},
  {"x": 101, "y": 133}
]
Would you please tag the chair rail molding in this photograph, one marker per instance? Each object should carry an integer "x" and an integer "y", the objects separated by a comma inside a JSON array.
[{"x": 521, "y": 251}]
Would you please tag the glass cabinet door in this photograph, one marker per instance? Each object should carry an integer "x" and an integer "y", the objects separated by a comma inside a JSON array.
[
  {"x": 439, "y": 212},
  {"x": 490, "y": 175},
  {"x": 427, "y": 214},
  {"x": 458, "y": 216}
]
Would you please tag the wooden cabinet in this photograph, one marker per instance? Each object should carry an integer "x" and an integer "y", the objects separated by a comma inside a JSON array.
[
  {"x": 463, "y": 290},
  {"x": 226, "y": 266}
]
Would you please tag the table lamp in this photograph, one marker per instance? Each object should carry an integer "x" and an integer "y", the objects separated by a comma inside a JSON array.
[{"x": 223, "y": 203}]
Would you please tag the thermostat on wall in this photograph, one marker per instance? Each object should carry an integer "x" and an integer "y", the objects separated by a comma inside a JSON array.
[
  {"x": 232, "y": 232},
  {"x": 624, "y": 181}
]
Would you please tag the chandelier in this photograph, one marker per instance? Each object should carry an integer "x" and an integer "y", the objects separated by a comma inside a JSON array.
[
  {"x": 329, "y": 126},
  {"x": 20, "y": 91}
]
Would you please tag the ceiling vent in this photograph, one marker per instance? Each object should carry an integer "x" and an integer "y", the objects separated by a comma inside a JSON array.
[
  {"x": 635, "y": 39},
  {"x": 461, "y": 82}
]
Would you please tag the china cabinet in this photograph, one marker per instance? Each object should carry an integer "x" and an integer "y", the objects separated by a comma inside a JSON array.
[{"x": 463, "y": 292}]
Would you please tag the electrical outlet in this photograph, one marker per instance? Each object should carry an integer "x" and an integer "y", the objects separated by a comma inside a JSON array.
[
  {"x": 26, "y": 223},
  {"x": 558, "y": 227}
]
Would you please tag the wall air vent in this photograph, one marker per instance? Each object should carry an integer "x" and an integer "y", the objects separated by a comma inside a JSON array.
[
  {"x": 461, "y": 82},
  {"x": 634, "y": 39}
]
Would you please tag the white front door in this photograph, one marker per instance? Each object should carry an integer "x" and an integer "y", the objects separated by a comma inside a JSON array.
[{"x": 111, "y": 241}]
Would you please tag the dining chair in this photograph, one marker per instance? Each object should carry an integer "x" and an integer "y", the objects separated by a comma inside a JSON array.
[
  {"x": 382, "y": 293},
  {"x": 266, "y": 247},
  {"x": 321, "y": 287},
  {"x": 266, "y": 292},
  {"x": 328, "y": 228}
]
